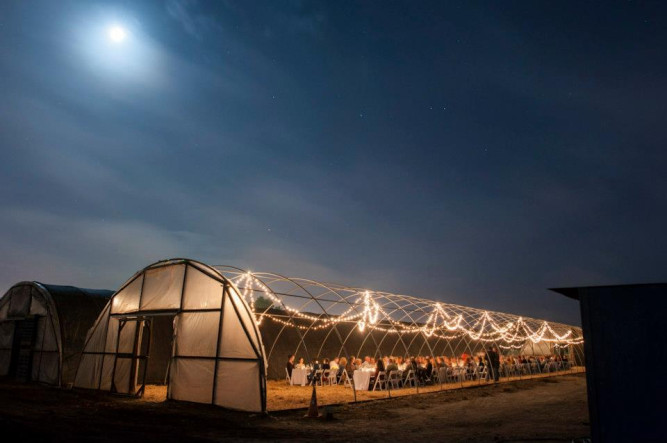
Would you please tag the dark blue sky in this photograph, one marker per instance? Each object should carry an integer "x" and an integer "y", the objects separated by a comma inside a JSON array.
[{"x": 471, "y": 152}]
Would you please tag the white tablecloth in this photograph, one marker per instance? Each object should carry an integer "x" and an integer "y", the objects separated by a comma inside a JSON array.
[
  {"x": 299, "y": 376},
  {"x": 362, "y": 379}
]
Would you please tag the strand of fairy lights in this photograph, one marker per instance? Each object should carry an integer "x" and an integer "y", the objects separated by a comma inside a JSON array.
[{"x": 371, "y": 316}]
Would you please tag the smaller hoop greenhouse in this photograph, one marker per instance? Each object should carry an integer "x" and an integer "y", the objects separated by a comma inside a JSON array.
[
  {"x": 43, "y": 329},
  {"x": 181, "y": 323}
]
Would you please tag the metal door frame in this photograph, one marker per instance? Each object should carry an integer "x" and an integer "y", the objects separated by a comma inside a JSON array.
[{"x": 136, "y": 356}]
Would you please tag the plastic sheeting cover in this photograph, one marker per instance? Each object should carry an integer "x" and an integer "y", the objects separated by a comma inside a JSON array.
[
  {"x": 111, "y": 336},
  {"x": 238, "y": 385},
  {"x": 248, "y": 321},
  {"x": 127, "y": 337},
  {"x": 127, "y": 300},
  {"x": 6, "y": 334},
  {"x": 162, "y": 288},
  {"x": 19, "y": 303},
  {"x": 45, "y": 367},
  {"x": 196, "y": 333},
  {"x": 107, "y": 370},
  {"x": 235, "y": 343},
  {"x": 201, "y": 291},
  {"x": 122, "y": 375},
  {"x": 192, "y": 380},
  {"x": 5, "y": 357},
  {"x": 46, "y": 338},
  {"x": 37, "y": 307},
  {"x": 89, "y": 368},
  {"x": 96, "y": 335}
]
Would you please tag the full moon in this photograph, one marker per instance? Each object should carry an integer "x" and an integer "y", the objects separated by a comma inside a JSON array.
[{"x": 117, "y": 34}]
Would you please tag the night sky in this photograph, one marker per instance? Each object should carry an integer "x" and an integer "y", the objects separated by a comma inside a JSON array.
[{"x": 472, "y": 152}]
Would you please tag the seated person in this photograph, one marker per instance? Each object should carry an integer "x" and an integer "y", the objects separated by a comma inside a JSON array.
[
  {"x": 426, "y": 371},
  {"x": 402, "y": 366},
  {"x": 301, "y": 364},
  {"x": 391, "y": 366},
  {"x": 342, "y": 365},
  {"x": 314, "y": 377},
  {"x": 334, "y": 364},
  {"x": 379, "y": 367},
  {"x": 367, "y": 363},
  {"x": 470, "y": 366},
  {"x": 326, "y": 366},
  {"x": 351, "y": 366}
]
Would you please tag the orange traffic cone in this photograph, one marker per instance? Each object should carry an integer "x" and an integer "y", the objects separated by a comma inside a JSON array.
[{"x": 312, "y": 409}]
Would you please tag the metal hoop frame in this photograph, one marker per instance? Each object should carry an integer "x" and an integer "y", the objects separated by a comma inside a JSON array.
[{"x": 309, "y": 307}]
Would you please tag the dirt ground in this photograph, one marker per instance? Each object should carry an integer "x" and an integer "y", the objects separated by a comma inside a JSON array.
[
  {"x": 544, "y": 409},
  {"x": 281, "y": 396}
]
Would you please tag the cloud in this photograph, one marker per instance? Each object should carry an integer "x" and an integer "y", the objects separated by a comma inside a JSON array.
[
  {"x": 184, "y": 12},
  {"x": 89, "y": 251}
]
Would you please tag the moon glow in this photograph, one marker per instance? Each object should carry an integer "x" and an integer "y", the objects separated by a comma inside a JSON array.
[{"x": 117, "y": 34}]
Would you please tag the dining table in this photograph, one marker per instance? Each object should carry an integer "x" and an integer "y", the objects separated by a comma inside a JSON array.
[
  {"x": 362, "y": 379},
  {"x": 299, "y": 377}
]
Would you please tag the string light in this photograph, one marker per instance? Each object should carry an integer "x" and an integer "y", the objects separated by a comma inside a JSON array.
[{"x": 368, "y": 314}]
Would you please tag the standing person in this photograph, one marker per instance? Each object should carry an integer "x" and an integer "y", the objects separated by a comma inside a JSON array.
[
  {"x": 494, "y": 361},
  {"x": 290, "y": 365}
]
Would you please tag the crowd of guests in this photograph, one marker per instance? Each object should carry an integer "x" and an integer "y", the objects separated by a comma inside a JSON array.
[{"x": 487, "y": 362}]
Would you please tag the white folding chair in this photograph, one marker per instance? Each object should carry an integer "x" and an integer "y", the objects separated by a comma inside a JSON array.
[
  {"x": 394, "y": 380},
  {"x": 347, "y": 381},
  {"x": 453, "y": 375},
  {"x": 317, "y": 377},
  {"x": 410, "y": 378},
  {"x": 333, "y": 377},
  {"x": 380, "y": 381},
  {"x": 288, "y": 379}
]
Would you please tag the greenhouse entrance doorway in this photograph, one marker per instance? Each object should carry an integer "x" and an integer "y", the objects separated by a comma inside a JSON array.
[
  {"x": 143, "y": 358},
  {"x": 25, "y": 333}
]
